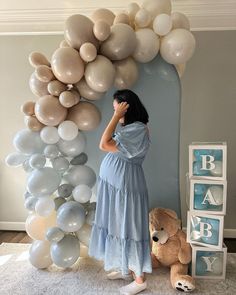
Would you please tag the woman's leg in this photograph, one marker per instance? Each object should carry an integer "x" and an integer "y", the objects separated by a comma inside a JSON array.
[{"x": 138, "y": 279}]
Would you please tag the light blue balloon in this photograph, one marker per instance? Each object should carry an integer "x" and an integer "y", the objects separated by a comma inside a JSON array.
[
  {"x": 80, "y": 174},
  {"x": 30, "y": 203},
  {"x": 26, "y": 166},
  {"x": 28, "y": 142},
  {"x": 200, "y": 189},
  {"x": 60, "y": 164},
  {"x": 37, "y": 161},
  {"x": 51, "y": 151},
  {"x": 70, "y": 216},
  {"x": 54, "y": 234},
  {"x": 197, "y": 169},
  {"x": 16, "y": 159},
  {"x": 72, "y": 148},
  {"x": 43, "y": 181},
  {"x": 65, "y": 252}
]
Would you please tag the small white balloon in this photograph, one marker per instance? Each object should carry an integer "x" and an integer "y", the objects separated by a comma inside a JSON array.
[
  {"x": 49, "y": 135},
  {"x": 37, "y": 161},
  {"x": 82, "y": 193},
  {"x": 162, "y": 24},
  {"x": 68, "y": 130},
  {"x": 44, "y": 206}
]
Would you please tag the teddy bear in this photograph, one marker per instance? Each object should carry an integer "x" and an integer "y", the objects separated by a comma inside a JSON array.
[{"x": 169, "y": 247}]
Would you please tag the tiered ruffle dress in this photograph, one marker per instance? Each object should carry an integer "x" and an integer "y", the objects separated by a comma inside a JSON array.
[{"x": 120, "y": 230}]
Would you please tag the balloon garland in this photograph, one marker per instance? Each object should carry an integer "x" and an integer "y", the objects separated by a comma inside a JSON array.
[{"x": 98, "y": 52}]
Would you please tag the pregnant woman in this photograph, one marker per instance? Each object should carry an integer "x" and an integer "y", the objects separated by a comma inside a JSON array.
[{"x": 120, "y": 231}]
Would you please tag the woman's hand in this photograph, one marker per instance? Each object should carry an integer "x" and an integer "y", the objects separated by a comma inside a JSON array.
[{"x": 121, "y": 109}]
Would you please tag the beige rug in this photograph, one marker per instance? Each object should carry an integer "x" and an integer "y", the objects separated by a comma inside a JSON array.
[{"x": 87, "y": 277}]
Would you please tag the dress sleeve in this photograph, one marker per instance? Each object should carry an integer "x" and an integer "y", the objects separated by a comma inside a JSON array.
[{"x": 131, "y": 141}]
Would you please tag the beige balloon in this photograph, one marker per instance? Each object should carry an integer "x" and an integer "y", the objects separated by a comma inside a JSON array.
[
  {"x": 147, "y": 46},
  {"x": 121, "y": 18},
  {"x": 79, "y": 30},
  {"x": 180, "y": 21},
  {"x": 67, "y": 99},
  {"x": 37, "y": 59},
  {"x": 87, "y": 92},
  {"x": 180, "y": 69},
  {"x": 33, "y": 123},
  {"x": 88, "y": 52},
  {"x": 142, "y": 18},
  {"x": 85, "y": 115},
  {"x": 76, "y": 95},
  {"x": 56, "y": 87},
  {"x": 155, "y": 7},
  {"x": 178, "y": 46},
  {"x": 120, "y": 44},
  {"x": 162, "y": 24},
  {"x": 44, "y": 73},
  {"x": 132, "y": 9},
  {"x": 36, "y": 226},
  {"x": 38, "y": 87},
  {"x": 49, "y": 111},
  {"x": 101, "y": 30},
  {"x": 67, "y": 65},
  {"x": 126, "y": 73},
  {"x": 64, "y": 44},
  {"x": 103, "y": 14},
  {"x": 28, "y": 108},
  {"x": 83, "y": 250},
  {"x": 99, "y": 74}
]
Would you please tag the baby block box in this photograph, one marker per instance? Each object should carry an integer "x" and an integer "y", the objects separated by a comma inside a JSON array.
[
  {"x": 207, "y": 160},
  {"x": 208, "y": 263},
  {"x": 208, "y": 196},
  {"x": 205, "y": 230}
]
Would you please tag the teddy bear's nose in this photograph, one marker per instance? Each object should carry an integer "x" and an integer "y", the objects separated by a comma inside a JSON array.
[{"x": 155, "y": 239}]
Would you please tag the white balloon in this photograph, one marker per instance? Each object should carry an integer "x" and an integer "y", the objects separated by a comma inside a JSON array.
[
  {"x": 162, "y": 24},
  {"x": 73, "y": 148},
  {"x": 15, "y": 159},
  {"x": 177, "y": 46},
  {"x": 82, "y": 193},
  {"x": 44, "y": 206},
  {"x": 147, "y": 45},
  {"x": 39, "y": 254},
  {"x": 68, "y": 130},
  {"x": 142, "y": 18},
  {"x": 84, "y": 234},
  {"x": 49, "y": 135}
]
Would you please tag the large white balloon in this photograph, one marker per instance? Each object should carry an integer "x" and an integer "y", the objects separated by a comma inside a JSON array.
[
  {"x": 80, "y": 174},
  {"x": 178, "y": 46},
  {"x": 147, "y": 45},
  {"x": 73, "y": 148},
  {"x": 68, "y": 130}
]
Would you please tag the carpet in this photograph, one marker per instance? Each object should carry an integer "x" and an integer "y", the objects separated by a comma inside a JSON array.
[{"x": 87, "y": 277}]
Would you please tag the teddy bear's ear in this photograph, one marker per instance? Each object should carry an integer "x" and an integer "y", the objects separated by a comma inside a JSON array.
[{"x": 171, "y": 213}]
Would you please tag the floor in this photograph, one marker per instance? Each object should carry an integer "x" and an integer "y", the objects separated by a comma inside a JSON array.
[{"x": 22, "y": 237}]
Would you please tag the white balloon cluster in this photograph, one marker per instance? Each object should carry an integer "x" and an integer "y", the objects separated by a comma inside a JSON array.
[{"x": 98, "y": 52}]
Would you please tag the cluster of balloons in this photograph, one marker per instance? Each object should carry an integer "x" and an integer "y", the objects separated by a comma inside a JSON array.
[{"x": 98, "y": 52}]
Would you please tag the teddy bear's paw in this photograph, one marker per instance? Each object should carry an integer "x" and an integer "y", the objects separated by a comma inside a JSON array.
[{"x": 185, "y": 284}]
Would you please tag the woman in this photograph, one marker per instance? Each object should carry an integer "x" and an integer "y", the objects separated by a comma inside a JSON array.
[{"x": 120, "y": 231}]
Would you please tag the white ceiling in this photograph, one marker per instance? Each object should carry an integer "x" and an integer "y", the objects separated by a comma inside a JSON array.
[{"x": 48, "y": 16}]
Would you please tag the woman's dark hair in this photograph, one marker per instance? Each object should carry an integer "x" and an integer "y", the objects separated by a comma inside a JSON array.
[{"x": 136, "y": 110}]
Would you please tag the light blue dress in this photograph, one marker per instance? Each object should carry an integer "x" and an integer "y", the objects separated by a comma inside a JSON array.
[{"x": 120, "y": 230}]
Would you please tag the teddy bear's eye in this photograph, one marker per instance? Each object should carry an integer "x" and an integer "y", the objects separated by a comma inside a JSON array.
[{"x": 162, "y": 228}]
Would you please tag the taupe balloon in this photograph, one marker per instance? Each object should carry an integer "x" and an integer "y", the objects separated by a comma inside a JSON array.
[
  {"x": 178, "y": 46},
  {"x": 100, "y": 74},
  {"x": 132, "y": 9},
  {"x": 44, "y": 73},
  {"x": 87, "y": 92},
  {"x": 38, "y": 87},
  {"x": 67, "y": 99},
  {"x": 88, "y": 52},
  {"x": 103, "y": 14},
  {"x": 120, "y": 44},
  {"x": 49, "y": 111},
  {"x": 126, "y": 73},
  {"x": 121, "y": 18},
  {"x": 37, "y": 59},
  {"x": 67, "y": 65},
  {"x": 155, "y": 7},
  {"x": 33, "y": 123},
  {"x": 79, "y": 30},
  {"x": 56, "y": 87},
  {"x": 180, "y": 21},
  {"x": 76, "y": 95},
  {"x": 86, "y": 115},
  {"x": 28, "y": 108},
  {"x": 101, "y": 30}
]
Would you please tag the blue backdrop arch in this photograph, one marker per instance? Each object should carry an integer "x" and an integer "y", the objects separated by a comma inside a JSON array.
[{"x": 159, "y": 88}]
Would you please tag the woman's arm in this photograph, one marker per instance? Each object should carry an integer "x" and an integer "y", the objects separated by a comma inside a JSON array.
[{"x": 107, "y": 143}]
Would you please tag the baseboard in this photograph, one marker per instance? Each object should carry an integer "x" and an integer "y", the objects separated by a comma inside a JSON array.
[
  {"x": 20, "y": 226},
  {"x": 16, "y": 226},
  {"x": 228, "y": 232}
]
